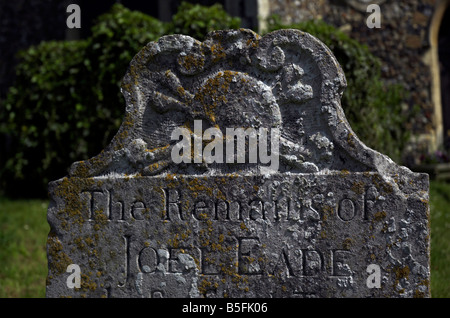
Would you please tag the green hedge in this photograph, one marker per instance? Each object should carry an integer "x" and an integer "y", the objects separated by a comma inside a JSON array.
[
  {"x": 66, "y": 104},
  {"x": 197, "y": 21},
  {"x": 373, "y": 108}
]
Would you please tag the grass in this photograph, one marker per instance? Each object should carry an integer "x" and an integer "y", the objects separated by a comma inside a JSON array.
[
  {"x": 440, "y": 239},
  {"x": 23, "y": 258},
  {"x": 24, "y": 229}
]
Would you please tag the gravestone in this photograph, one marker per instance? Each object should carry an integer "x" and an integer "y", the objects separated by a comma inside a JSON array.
[{"x": 236, "y": 174}]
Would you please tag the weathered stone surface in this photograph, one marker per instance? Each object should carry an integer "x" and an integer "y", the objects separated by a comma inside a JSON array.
[{"x": 331, "y": 218}]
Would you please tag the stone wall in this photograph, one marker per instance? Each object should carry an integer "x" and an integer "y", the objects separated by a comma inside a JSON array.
[{"x": 402, "y": 43}]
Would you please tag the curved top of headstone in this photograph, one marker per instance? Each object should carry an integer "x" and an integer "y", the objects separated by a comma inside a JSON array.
[{"x": 287, "y": 80}]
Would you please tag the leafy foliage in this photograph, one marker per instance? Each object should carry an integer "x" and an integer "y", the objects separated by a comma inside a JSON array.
[
  {"x": 44, "y": 114},
  {"x": 66, "y": 103},
  {"x": 197, "y": 21},
  {"x": 373, "y": 109}
]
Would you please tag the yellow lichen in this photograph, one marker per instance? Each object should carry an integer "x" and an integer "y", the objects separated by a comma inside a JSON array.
[
  {"x": 218, "y": 52},
  {"x": 358, "y": 187},
  {"x": 350, "y": 140},
  {"x": 347, "y": 243},
  {"x": 214, "y": 92},
  {"x": 192, "y": 62},
  {"x": 379, "y": 216},
  {"x": 58, "y": 258}
]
